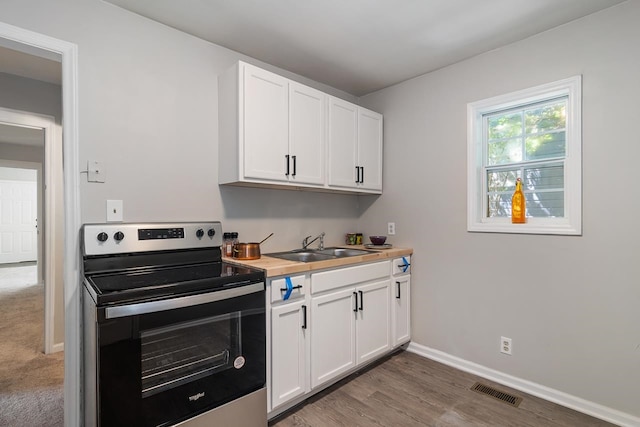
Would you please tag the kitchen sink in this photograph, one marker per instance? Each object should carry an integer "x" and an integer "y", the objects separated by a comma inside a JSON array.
[
  {"x": 343, "y": 252},
  {"x": 301, "y": 256},
  {"x": 311, "y": 255}
]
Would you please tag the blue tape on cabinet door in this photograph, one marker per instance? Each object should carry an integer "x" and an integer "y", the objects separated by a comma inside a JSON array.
[
  {"x": 287, "y": 294},
  {"x": 406, "y": 265}
]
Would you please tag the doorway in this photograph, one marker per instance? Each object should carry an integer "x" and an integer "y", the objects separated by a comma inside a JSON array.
[
  {"x": 28, "y": 142},
  {"x": 67, "y": 54}
]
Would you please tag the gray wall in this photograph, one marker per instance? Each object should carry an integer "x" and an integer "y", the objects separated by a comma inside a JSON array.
[
  {"x": 570, "y": 304},
  {"x": 33, "y": 96},
  {"x": 148, "y": 111},
  {"x": 22, "y": 153}
]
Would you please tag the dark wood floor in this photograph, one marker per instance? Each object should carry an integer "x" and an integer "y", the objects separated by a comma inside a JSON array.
[{"x": 408, "y": 390}]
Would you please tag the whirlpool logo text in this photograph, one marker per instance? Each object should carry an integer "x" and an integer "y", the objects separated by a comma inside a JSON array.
[{"x": 196, "y": 397}]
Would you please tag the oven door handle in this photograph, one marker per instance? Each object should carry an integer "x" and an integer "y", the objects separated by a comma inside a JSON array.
[{"x": 181, "y": 302}]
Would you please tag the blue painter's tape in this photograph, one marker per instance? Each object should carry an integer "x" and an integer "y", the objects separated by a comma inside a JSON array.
[
  {"x": 406, "y": 265},
  {"x": 287, "y": 294}
]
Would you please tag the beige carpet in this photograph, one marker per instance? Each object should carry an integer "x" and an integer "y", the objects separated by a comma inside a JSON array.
[{"x": 31, "y": 383}]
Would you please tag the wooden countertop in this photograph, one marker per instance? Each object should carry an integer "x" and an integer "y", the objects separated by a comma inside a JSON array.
[{"x": 279, "y": 267}]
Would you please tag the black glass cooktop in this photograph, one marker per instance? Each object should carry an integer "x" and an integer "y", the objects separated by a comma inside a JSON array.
[{"x": 159, "y": 282}]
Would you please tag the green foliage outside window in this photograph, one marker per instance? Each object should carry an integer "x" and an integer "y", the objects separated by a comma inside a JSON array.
[{"x": 529, "y": 143}]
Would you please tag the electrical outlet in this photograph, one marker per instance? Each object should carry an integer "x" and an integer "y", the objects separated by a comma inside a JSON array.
[
  {"x": 114, "y": 211},
  {"x": 505, "y": 345},
  {"x": 391, "y": 228}
]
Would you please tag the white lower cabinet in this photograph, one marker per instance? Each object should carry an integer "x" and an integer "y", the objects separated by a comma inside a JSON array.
[
  {"x": 401, "y": 301},
  {"x": 332, "y": 322},
  {"x": 373, "y": 321},
  {"x": 288, "y": 355},
  {"x": 288, "y": 333},
  {"x": 400, "y": 310},
  {"x": 333, "y": 339},
  {"x": 351, "y": 325}
]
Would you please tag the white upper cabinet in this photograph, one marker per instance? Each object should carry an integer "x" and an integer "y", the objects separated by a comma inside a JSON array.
[
  {"x": 343, "y": 142},
  {"x": 273, "y": 132},
  {"x": 370, "y": 149},
  {"x": 265, "y": 126},
  {"x": 307, "y": 130},
  {"x": 355, "y": 147}
]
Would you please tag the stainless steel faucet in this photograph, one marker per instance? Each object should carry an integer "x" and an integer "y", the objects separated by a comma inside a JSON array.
[{"x": 306, "y": 242}]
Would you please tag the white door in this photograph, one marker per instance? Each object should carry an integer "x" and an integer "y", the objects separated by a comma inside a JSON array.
[
  {"x": 307, "y": 126},
  {"x": 370, "y": 149},
  {"x": 288, "y": 355},
  {"x": 333, "y": 336},
  {"x": 343, "y": 138},
  {"x": 373, "y": 323},
  {"x": 18, "y": 213},
  {"x": 265, "y": 112}
]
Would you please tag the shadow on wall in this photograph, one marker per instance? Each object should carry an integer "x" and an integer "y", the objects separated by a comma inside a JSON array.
[
  {"x": 366, "y": 201},
  {"x": 264, "y": 204}
]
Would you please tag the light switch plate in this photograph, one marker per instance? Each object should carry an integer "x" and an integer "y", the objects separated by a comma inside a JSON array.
[
  {"x": 96, "y": 171},
  {"x": 114, "y": 210}
]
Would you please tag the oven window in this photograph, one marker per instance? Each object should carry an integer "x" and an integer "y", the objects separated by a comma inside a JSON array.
[{"x": 184, "y": 352}]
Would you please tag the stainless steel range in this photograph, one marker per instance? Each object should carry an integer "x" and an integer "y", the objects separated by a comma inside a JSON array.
[{"x": 172, "y": 334}]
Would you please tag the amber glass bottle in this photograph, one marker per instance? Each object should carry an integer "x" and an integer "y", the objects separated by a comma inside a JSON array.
[{"x": 518, "y": 205}]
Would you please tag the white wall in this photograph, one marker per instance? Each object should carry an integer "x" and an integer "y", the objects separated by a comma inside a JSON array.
[{"x": 570, "y": 304}]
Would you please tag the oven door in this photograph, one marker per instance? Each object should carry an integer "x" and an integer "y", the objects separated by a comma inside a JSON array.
[{"x": 161, "y": 362}]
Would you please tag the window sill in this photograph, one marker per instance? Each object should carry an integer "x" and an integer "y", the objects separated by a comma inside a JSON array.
[{"x": 532, "y": 226}]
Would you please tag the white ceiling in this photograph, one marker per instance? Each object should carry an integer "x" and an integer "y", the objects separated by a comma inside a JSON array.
[{"x": 360, "y": 46}]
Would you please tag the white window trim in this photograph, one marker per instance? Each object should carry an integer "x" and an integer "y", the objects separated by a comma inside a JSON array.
[{"x": 571, "y": 224}]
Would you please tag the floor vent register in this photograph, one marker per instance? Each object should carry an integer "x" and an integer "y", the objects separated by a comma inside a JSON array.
[{"x": 497, "y": 394}]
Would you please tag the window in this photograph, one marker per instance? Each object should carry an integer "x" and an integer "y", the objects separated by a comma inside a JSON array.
[{"x": 535, "y": 135}]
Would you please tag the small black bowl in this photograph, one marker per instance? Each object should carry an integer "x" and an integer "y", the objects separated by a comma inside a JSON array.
[{"x": 378, "y": 240}]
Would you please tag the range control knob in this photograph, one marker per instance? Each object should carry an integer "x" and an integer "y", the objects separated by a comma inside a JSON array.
[
  {"x": 118, "y": 236},
  {"x": 199, "y": 233},
  {"x": 211, "y": 232},
  {"x": 102, "y": 237}
]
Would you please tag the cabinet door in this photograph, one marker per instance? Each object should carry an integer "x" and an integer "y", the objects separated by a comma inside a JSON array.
[
  {"x": 373, "y": 321},
  {"x": 333, "y": 335},
  {"x": 400, "y": 310},
  {"x": 307, "y": 129},
  {"x": 343, "y": 138},
  {"x": 264, "y": 128},
  {"x": 288, "y": 366},
  {"x": 370, "y": 149}
]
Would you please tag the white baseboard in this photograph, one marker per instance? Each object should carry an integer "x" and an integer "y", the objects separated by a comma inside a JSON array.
[
  {"x": 576, "y": 403},
  {"x": 57, "y": 347}
]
